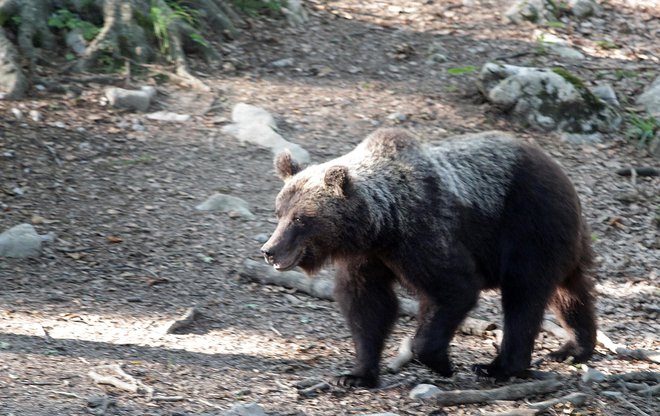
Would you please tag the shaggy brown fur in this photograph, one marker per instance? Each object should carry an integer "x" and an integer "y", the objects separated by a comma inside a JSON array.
[{"x": 447, "y": 221}]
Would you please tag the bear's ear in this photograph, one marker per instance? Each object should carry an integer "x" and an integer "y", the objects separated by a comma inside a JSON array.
[
  {"x": 336, "y": 179},
  {"x": 285, "y": 166}
]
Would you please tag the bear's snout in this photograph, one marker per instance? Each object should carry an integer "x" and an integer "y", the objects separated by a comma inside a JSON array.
[{"x": 268, "y": 255}]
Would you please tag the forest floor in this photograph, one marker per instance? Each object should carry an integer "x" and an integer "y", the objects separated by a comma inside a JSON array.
[{"x": 132, "y": 253}]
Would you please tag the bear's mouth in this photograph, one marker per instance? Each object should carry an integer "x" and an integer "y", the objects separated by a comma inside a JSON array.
[{"x": 288, "y": 264}]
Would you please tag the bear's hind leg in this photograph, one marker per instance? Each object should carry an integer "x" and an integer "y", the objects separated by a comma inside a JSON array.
[
  {"x": 367, "y": 300},
  {"x": 523, "y": 302},
  {"x": 573, "y": 304}
]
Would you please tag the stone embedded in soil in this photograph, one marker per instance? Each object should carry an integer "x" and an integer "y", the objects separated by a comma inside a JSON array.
[
  {"x": 134, "y": 100},
  {"x": 541, "y": 11},
  {"x": 255, "y": 125},
  {"x": 249, "y": 409},
  {"x": 424, "y": 391},
  {"x": 547, "y": 99},
  {"x": 232, "y": 205},
  {"x": 22, "y": 241},
  {"x": 650, "y": 98}
]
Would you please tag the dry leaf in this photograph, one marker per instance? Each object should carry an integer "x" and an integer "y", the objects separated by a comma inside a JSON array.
[{"x": 113, "y": 239}]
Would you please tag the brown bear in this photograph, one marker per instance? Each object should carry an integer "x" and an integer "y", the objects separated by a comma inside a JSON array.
[{"x": 446, "y": 221}]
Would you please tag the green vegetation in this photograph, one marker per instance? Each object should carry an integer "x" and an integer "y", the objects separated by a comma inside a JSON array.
[
  {"x": 555, "y": 24},
  {"x": 461, "y": 70},
  {"x": 642, "y": 130},
  {"x": 607, "y": 44},
  {"x": 65, "y": 19},
  {"x": 161, "y": 21}
]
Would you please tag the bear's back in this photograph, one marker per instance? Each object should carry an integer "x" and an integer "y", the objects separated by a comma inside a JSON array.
[{"x": 478, "y": 169}]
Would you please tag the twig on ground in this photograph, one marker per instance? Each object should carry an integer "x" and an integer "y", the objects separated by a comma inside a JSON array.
[
  {"x": 272, "y": 328},
  {"x": 404, "y": 356},
  {"x": 622, "y": 398},
  {"x": 185, "y": 320},
  {"x": 53, "y": 153},
  {"x": 635, "y": 376},
  {"x": 621, "y": 350},
  {"x": 640, "y": 171},
  {"x": 47, "y": 337},
  {"x": 74, "y": 250},
  {"x": 168, "y": 399},
  {"x": 510, "y": 392},
  {"x": 124, "y": 381},
  {"x": 651, "y": 391},
  {"x": 313, "y": 390},
  {"x": 605, "y": 342},
  {"x": 207, "y": 403},
  {"x": 576, "y": 399},
  {"x": 126, "y": 267},
  {"x": 514, "y": 412},
  {"x": 66, "y": 394}
]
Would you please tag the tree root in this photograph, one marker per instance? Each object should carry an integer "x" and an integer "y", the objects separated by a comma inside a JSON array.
[
  {"x": 576, "y": 399},
  {"x": 11, "y": 75},
  {"x": 125, "y": 35}
]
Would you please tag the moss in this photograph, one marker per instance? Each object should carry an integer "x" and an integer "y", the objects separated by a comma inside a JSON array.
[{"x": 577, "y": 82}]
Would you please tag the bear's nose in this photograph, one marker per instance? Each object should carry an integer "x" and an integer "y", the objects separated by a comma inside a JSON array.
[{"x": 268, "y": 255}]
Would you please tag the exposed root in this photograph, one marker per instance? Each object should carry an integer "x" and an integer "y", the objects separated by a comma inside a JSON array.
[
  {"x": 11, "y": 76},
  {"x": 120, "y": 35},
  {"x": 129, "y": 33}
]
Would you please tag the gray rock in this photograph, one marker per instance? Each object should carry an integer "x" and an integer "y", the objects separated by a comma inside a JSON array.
[
  {"x": 424, "y": 391},
  {"x": 566, "y": 52},
  {"x": 541, "y": 11},
  {"x": 576, "y": 138},
  {"x": 547, "y": 99},
  {"x": 650, "y": 99},
  {"x": 249, "y": 409},
  {"x": 261, "y": 238},
  {"x": 35, "y": 115},
  {"x": 282, "y": 63},
  {"x": 17, "y": 113},
  {"x": 226, "y": 203},
  {"x": 397, "y": 117},
  {"x": 295, "y": 12},
  {"x": 255, "y": 125},
  {"x": 593, "y": 376},
  {"x": 583, "y": 8},
  {"x": 606, "y": 93},
  {"x": 535, "y": 11},
  {"x": 654, "y": 146},
  {"x": 134, "y": 100},
  {"x": 22, "y": 241}
]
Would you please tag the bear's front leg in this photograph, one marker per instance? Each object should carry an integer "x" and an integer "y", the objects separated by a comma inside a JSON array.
[
  {"x": 366, "y": 298},
  {"x": 439, "y": 315}
]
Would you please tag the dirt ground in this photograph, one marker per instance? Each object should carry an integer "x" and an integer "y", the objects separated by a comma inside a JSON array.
[{"x": 132, "y": 253}]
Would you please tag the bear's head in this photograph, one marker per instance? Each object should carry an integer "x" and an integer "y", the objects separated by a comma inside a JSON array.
[{"x": 310, "y": 208}]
